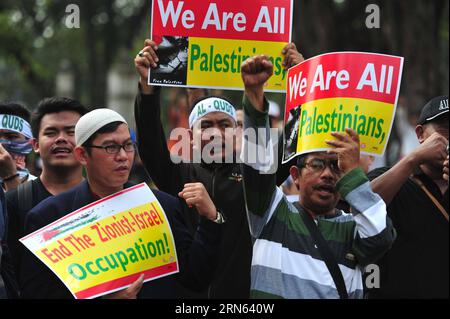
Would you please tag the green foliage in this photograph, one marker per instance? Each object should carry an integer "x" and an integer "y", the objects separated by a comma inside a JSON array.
[{"x": 36, "y": 44}]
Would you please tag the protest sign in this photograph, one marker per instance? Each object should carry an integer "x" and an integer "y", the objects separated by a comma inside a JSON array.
[
  {"x": 334, "y": 91},
  {"x": 105, "y": 246},
  {"x": 203, "y": 43}
]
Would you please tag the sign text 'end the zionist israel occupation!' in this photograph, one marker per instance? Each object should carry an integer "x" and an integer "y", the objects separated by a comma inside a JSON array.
[{"x": 107, "y": 245}]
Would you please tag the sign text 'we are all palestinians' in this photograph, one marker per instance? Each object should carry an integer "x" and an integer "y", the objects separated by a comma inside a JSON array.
[
  {"x": 335, "y": 91},
  {"x": 203, "y": 43}
]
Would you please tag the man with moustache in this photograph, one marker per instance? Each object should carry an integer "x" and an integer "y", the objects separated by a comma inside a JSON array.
[
  {"x": 214, "y": 135},
  {"x": 308, "y": 249}
]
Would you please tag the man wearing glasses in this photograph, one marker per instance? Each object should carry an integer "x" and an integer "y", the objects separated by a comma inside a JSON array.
[
  {"x": 104, "y": 147},
  {"x": 309, "y": 249}
]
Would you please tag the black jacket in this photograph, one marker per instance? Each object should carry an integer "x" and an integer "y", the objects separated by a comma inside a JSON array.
[
  {"x": 224, "y": 185},
  {"x": 197, "y": 258}
]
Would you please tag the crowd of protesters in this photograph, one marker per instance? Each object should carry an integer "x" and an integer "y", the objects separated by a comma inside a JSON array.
[{"x": 305, "y": 229}]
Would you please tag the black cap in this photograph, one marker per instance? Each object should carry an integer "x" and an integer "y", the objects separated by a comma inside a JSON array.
[{"x": 434, "y": 109}]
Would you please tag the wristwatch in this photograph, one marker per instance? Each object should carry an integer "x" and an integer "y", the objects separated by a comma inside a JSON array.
[{"x": 220, "y": 219}]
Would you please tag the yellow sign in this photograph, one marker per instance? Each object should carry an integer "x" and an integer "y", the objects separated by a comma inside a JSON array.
[
  {"x": 217, "y": 62},
  {"x": 372, "y": 120},
  {"x": 203, "y": 43},
  {"x": 335, "y": 91},
  {"x": 105, "y": 246}
]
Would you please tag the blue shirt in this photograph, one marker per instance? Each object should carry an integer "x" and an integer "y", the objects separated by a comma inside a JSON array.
[
  {"x": 2, "y": 214},
  {"x": 2, "y": 234}
]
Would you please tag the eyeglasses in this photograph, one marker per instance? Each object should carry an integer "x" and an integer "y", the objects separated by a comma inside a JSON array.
[
  {"x": 115, "y": 148},
  {"x": 318, "y": 165}
]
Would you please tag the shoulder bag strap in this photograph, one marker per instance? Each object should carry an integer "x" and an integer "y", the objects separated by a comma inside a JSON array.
[
  {"x": 325, "y": 251},
  {"x": 433, "y": 199}
]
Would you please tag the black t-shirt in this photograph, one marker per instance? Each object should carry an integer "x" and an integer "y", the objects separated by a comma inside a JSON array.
[
  {"x": 417, "y": 266},
  {"x": 16, "y": 218}
]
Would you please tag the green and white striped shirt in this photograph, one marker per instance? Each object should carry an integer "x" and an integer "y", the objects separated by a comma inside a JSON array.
[{"x": 286, "y": 263}]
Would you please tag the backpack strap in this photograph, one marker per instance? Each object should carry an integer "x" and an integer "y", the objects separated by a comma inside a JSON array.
[{"x": 25, "y": 197}]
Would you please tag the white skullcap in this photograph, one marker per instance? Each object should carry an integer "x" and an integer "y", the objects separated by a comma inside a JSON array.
[
  {"x": 209, "y": 105},
  {"x": 91, "y": 122}
]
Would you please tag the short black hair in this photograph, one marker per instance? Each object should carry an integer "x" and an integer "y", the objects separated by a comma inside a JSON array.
[
  {"x": 301, "y": 160},
  {"x": 108, "y": 128},
  {"x": 54, "y": 105},
  {"x": 15, "y": 108}
]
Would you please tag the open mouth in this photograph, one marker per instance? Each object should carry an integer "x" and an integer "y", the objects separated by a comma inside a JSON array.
[
  {"x": 327, "y": 189},
  {"x": 122, "y": 169},
  {"x": 61, "y": 151}
]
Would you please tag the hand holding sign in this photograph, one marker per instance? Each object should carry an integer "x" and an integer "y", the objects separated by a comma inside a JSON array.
[
  {"x": 346, "y": 146},
  {"x": 129, "y": 293},
  {"x": 291, "y": 56},
  {"x": 146, "y": 59},
  {"x": 196, "y": 195}
]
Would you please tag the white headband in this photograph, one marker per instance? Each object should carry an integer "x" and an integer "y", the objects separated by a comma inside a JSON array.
[
  {"x": 15, "y": 124},
  {"x": 209, "y": 105}
]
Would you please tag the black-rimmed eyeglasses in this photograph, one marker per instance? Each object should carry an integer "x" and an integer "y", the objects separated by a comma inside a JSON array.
[
  {"x": 115, "y": 148},
  {"x": 318, "y": 165}
]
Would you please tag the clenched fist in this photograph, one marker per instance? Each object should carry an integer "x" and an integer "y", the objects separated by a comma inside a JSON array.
[
  {"x": 195, "y": 194},
  {"x": 255, "y": 72}
]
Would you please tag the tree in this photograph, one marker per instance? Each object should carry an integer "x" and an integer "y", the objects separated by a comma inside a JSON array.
[
  {"x": 37, "y": 42},
  {"x": 414, "y": 29}
]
